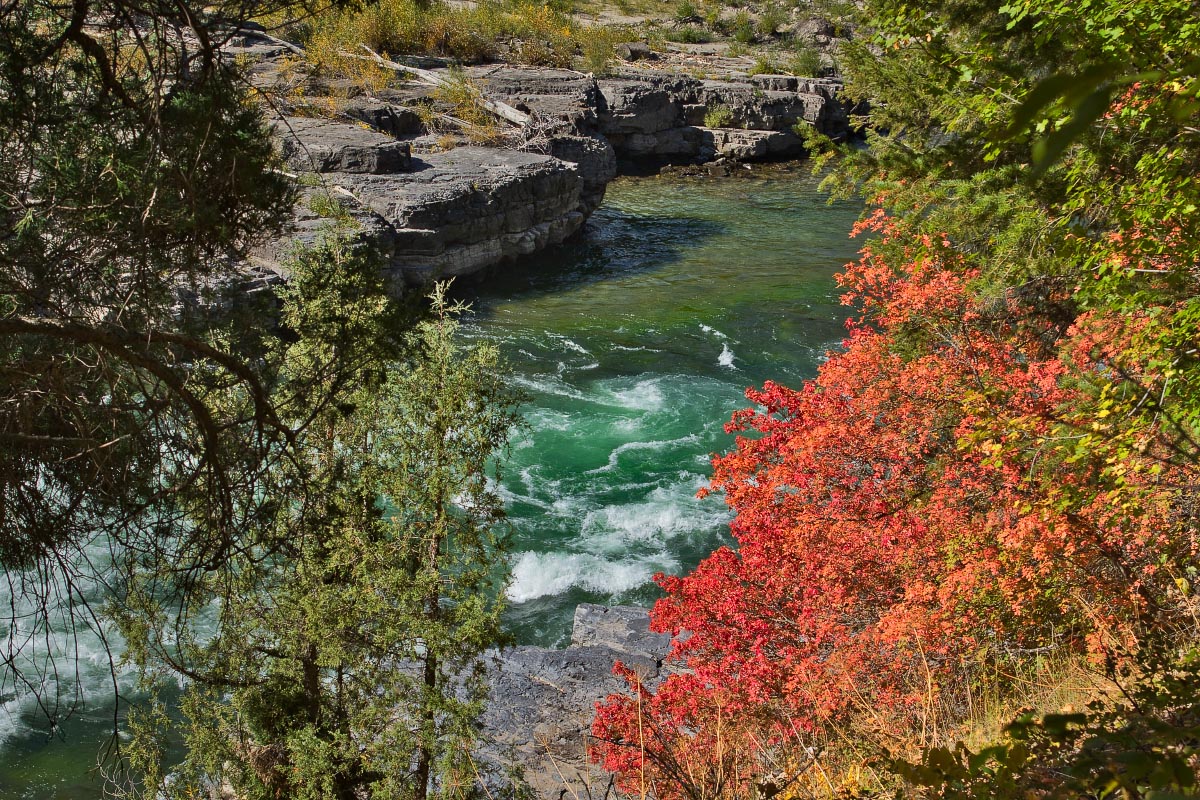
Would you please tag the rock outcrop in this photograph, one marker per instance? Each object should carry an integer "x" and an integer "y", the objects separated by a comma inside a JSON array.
[
  {"x": 654, "y": 114},
  {"x": 541, "y": 701},
  {"x": 460, "y": 211},
  {"x": 650, "y": 115},
  {"x": 322, "y": 145},
  {"x": 437, "y": 209},
  {"x": 432, "y": 216}
]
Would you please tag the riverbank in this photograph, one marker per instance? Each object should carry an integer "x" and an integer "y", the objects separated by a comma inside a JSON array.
[
  {"x": 442, "y": 202},
  {"x": 636, "y": 341}
]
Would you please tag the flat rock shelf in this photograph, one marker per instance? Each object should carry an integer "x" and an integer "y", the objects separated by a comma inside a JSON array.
[{"x": 438, "y": 209}]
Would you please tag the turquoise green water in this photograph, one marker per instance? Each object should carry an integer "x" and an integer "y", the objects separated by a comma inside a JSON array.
[{"x": 636, "y": 343}]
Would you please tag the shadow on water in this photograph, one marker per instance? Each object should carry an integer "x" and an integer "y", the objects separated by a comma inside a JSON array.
[{"x": 614, "y": 244}]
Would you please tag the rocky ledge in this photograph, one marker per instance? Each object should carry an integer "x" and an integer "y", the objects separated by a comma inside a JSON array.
[
  {"x": 541, "y": 701},
  {"x": 442, "y": 215},
  {"x": 439, "y": 205}
]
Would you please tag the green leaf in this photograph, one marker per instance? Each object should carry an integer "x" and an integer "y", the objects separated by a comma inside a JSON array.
[
  {"x": 1047, "y": 151},
  {"x": 1065, "y": 86}
]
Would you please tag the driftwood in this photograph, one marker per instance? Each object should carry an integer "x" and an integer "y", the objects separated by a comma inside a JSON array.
[
  {"x": 499, "y": 109},
  {"x": 502, "y": 110},
  {"x": 274, "y": 40}
]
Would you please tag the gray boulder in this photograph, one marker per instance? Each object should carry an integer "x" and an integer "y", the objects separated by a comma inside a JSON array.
[
  {"x": 390, "y": 119},
  {"x": 635, "y": 51},
  {"x": 541, "y": 701}
]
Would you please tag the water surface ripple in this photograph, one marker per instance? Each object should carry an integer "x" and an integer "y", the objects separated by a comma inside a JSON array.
[{"x": 636, "y": 344}]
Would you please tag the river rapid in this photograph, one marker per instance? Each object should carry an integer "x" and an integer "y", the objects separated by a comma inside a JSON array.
[{"x": 636, "y": 343}]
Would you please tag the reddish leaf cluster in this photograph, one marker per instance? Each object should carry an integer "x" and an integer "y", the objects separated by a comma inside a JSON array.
[{"x": 934, "y": 498}]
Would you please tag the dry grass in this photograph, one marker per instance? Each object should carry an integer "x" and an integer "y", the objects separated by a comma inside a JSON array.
[
  {"x": 519, "y": 30},
  {"x": 975, "y": 712}
]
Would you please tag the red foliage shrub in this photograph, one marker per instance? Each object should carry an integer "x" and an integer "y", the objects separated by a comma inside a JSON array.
[{"x": 942, "y": 492}]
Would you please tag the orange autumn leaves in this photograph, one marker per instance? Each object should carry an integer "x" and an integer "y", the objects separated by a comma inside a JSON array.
[{"x": 943, "y": 492}]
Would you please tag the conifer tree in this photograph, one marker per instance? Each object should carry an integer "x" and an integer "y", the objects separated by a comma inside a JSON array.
[{"x": 342, "y": 659}]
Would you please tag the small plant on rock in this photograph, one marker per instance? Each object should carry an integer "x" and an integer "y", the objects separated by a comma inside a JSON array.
[
  {"x": 685, "y": 11},
  {"x": 743, "y": 27},
  {"x": 689, "y": 34},
  {"x": 770, "y": 20},
  {"x": 718, "y": 116},
  {"x": 805, "y": 61},
  {"x": 764, "y": 65}
]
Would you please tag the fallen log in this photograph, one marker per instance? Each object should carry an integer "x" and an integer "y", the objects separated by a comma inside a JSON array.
[{"x": 502, "y": 110}]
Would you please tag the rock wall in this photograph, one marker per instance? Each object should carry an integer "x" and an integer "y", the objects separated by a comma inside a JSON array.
[{"x": 436, "y": 212}]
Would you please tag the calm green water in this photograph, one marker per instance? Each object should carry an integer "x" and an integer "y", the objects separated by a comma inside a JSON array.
[{"x": 636, "y": 343}]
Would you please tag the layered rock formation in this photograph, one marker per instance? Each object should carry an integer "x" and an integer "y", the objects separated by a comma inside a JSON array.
[
  {"x": 436, "y": 212},
  {"x": 646, "y": 113}
]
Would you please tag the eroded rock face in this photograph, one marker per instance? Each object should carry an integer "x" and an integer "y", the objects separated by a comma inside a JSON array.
[
  {"x": 643, "y": 104},
  {"x": 541, "y": 701},
  {"x": 453, "y": 213},
  {"x": 442, "y": 214},
  {"x": 596, "y": 161}
]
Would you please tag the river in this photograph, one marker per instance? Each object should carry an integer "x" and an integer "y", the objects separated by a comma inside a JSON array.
[{"x": 636, "y": 343}]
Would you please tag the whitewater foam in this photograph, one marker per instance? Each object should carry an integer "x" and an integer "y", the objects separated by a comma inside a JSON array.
[
  {"x": 615, "y": 456},
  {"x": 56, "y": 656},
  {"x": 547, "y": 574},
  {"x": 570, "y": 344},
  {"x": 645, "y": 395},
  {"x": 665, "y": 513},
  {"x": 726, "y": 357},
  {"x": 551, "y": 385}
]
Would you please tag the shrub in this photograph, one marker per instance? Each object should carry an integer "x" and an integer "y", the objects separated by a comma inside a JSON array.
[
  {"x": 764, "y": 65},
  {"x": 718, "y": 116},
  {"x": 743, "y": 27},
  {"x": 770, "y": 20},
  {"x": 903, "y": 517},
  {"x": 689, "y": 34},
  {"x": 543, "y": 34},
  {"x": 805, "y": 61},
  {"x": 599, "y": 46},
  {"x": 1137, "y": 739},
  {"x": 685, "y": 11}
]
